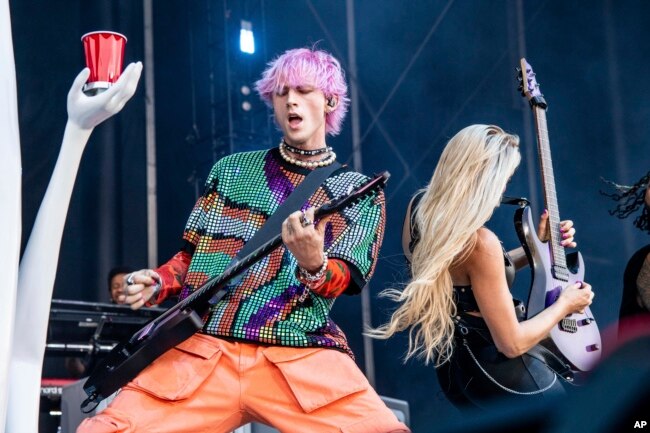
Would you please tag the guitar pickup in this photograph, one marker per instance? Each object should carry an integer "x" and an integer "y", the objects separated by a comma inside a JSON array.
[
  {"x": 569, "y": 325},
  {"x": 560, "y": 273}
]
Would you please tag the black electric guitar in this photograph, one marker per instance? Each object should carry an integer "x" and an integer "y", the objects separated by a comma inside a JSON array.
[
  {"x": 576, "y": 337},
  {"x": 184, "y": 319}
]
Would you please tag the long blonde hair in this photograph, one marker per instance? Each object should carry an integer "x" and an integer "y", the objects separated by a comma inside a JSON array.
[{"x": 465, "y": 188}]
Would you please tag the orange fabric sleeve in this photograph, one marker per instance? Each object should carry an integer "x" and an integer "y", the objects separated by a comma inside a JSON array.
[{"x": 337, "y": 278}]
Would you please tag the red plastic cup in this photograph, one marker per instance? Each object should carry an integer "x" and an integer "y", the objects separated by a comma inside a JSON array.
[{"x": 104, "y": 52}]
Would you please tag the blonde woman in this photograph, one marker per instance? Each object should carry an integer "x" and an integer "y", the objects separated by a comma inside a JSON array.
[{"x": 458, "y": 307}]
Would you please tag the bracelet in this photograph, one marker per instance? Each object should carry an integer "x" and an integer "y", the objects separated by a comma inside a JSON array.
[
  {"x": 308, "y": 276},
  {"x": 312, "y": 285},
  {"x": 156, "y": 290}
]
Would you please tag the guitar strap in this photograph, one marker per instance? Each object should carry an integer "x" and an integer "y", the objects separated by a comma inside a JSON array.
[
  {"x": 296, "y": 199},
  {"x": 273, "y": 225}
]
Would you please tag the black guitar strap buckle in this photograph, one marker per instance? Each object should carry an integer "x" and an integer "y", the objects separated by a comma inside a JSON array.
[
  {"x": 516, "y": 201},
  {"x": 87, "y": 402}
]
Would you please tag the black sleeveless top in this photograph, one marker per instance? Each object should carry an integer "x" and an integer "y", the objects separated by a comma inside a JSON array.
[{"x": 464, "y": 295}]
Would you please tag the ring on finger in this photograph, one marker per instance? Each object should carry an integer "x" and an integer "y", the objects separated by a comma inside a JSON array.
[
  {"x": 304, "y": 220},
  {"x": 129, "y": 280}
]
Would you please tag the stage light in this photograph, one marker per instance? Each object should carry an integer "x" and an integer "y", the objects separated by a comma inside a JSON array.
[
  {"x": 246, "y": 38},
  {"x": 246, "y": 106},
  {"x": 245, "y": 90}
]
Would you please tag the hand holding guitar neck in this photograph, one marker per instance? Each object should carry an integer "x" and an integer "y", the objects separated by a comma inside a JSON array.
[
  {"x": 141, "y": 287},
  {"x": 566, "y": 229}
]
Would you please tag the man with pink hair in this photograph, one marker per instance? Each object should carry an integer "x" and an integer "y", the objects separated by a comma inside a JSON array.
[{"x": 269, "y": 350}]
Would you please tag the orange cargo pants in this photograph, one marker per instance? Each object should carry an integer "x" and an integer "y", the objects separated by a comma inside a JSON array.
[{"x": 210, "y": 385}]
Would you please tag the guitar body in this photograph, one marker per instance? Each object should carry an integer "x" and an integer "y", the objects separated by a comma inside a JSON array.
[{"x": 576, "y": 337}]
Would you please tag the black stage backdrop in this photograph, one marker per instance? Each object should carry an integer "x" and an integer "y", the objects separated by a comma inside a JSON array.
[
  {"x": 426, "y": 68},
  {"x": 106, "y": 223}
]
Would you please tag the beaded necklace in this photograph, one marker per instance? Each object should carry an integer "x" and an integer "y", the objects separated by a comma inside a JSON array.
[{"x": 329, "y": 159}]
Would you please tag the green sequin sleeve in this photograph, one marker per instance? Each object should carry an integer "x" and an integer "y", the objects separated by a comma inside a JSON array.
[{"x": 356, "y": 236}]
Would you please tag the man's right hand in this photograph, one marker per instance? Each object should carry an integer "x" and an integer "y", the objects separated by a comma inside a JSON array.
[{"x": 141, "y": 286}]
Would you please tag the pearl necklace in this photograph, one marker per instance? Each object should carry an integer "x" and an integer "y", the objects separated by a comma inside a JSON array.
[
  {"x": 329, "y": 159},
  {"x": 303, "y": 152}
]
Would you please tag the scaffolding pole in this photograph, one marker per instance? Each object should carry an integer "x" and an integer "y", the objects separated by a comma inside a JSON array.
[
  {"x": 366, "y": 317},
  {"x": 150, "y": 116}
]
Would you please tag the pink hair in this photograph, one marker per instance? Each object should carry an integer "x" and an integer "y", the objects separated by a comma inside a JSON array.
[{"x": 302, "y": 66}]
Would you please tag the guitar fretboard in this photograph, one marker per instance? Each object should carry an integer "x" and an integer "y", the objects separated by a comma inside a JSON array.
[{"x": 550, "y": 195}]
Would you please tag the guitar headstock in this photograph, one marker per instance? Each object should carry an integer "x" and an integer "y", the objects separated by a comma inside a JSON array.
[{"x": 528, "y": 85}]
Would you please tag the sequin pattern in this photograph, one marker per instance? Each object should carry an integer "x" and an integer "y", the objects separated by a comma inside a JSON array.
[{"x": 269, "y": 305}]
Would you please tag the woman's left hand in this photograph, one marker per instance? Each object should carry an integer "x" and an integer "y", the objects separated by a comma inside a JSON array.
[{"x": 567, "y": 231}]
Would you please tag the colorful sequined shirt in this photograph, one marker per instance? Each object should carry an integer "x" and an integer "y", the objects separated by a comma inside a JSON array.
[{"x": 269, "y": 305}]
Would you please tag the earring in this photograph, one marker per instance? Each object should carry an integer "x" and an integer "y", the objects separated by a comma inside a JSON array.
[{"x": 331, "y": 102}]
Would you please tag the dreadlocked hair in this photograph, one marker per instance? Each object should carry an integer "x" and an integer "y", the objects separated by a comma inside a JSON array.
[{"x": 630, "y": 199}]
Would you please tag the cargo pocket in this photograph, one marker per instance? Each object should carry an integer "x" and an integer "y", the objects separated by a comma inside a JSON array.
[
  {"x": 177, "y": 373},
  {"x": 317, "y": 376},
  {"x": 380, "y": 422}
]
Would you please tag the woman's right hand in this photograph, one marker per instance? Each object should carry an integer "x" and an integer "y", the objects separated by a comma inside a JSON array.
[
  {"x": 141, "y": 287},
  {"x": 577, "y": 297}
]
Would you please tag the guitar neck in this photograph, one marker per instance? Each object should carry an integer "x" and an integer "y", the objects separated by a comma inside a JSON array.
[{"x": 548, "y": 182}]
